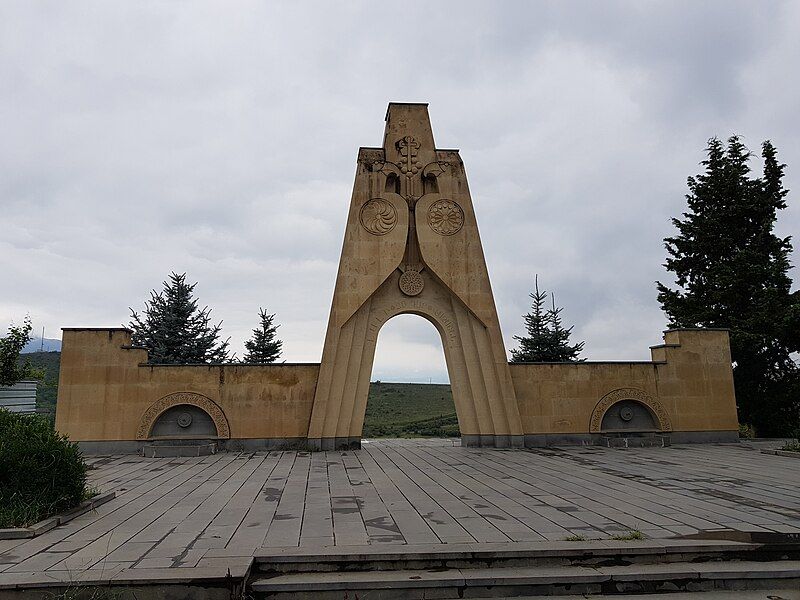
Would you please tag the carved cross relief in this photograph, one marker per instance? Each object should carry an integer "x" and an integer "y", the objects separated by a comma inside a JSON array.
[
  {"x": 445, "y": 217},
  {"x": 378, "y": 217},
  {"x": 411, "y": 282}
]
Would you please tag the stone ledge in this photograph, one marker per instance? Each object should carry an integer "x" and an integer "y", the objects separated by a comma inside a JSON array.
[
  {"x": 790, "y": 453},
  {"x": 16, "y": 533},
  {"x": 488, "y": 550},
  {"x": 178, "y": 449},
  {"x": 678, "y": 574}
]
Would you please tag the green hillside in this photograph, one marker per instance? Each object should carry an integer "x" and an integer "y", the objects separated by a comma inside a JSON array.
[{"x": 410, "y": 410}]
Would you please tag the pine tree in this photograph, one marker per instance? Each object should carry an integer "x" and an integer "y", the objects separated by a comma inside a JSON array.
[
  {"x": 547, "y": 339},
  {"x": 562, "y": 350},
  {"x": 174, "y": 330},
  {"x": 731, "y": 271},
  {"x": 263, "y": 347}
]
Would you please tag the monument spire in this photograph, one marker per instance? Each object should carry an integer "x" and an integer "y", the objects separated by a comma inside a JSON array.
[{"x": 412, "y": 246}]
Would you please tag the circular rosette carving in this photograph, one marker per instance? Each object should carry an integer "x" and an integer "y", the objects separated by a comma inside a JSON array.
[
  {"x": 378, "y": 216},
  {"x": 184, "y": 420},
  {"x": 411, "y": 282},
  {"x": 445, "y": 217}
]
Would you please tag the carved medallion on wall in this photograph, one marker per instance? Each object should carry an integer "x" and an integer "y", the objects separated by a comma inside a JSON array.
[
  {"x": 378, "y": 216},
  {"x": 176, "y": 399},
  {"x": 445, "y": 217},
  {"x": 607, "y": 401},
  {"x": 411, "y": 282}
]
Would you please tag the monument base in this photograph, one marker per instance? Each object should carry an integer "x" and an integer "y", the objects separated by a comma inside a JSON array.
[
  {"x": 493, "y": 441},
  {"x": 338, "y": 443},
  {"x": 545, "y": 440},
  {"x": 105, "y": 447},
  {"x": 472, "y": 441}
]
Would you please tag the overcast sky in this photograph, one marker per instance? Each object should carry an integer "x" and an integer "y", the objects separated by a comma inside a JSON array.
[{"x": 220, "y": 138}]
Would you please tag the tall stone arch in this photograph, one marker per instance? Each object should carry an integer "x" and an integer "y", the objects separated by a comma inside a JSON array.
[{"x": 412, "y": 246}]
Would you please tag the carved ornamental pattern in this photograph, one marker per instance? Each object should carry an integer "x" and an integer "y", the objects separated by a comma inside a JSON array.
[
  {"x": 607, "y": 401},
  {"x": 159, "y": 406},
  {"x": 378, "y": 216},
  {"x": 411, "y": 282},
  {"x": 408, "y": 148},
  {"x": 445, "y": 217}
]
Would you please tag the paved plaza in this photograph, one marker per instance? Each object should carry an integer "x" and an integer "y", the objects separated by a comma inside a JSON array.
[{"x": 213, "y": 513}]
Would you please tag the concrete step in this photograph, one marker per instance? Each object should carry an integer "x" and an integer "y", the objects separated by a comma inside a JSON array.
[
  {"x": 772, "y": 594},
  {"x": 519, "y": 554},
  {"x": 635, "y": 441},
  {"x": 530, "y": 581},
  {"x": 179, "y": 448}
]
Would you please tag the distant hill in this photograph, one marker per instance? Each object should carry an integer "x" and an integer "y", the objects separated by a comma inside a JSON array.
[
  {"x": 35, "y": 345},
  {"x": 47, "y": 390},
  {"x": 410, "y": 410}
]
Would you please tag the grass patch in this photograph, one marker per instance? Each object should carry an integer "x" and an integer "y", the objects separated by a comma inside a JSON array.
[
  {"x": 574, "y": 538},
  {"x": 410, "y": 410},
  {"x": 630, "y": 536},
  {"x": 92, "y": 593}
]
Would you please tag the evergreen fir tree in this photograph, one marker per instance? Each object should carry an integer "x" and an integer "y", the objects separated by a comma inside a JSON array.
[
  {"x": 547, "y": 339},
  {"x": 562, "y": 350},
  {"x": 174, "y": 330},
  {"x": 263, "y": 347},
  {"x": 731, "y": 271}
]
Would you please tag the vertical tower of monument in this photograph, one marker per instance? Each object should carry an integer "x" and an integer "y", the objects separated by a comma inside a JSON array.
[{"x": 412, "y": 246}]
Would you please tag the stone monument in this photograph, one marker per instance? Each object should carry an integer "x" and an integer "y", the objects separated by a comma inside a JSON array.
[{"x": 412, "y": 246}]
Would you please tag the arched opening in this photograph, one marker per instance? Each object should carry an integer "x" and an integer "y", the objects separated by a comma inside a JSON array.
[
  {"x": 409, "y": 392},
  {"x": 430, "y": 185},
  {"x": 392, "y": 183},
  {"x": 482, "y": 392},
  {"x": 629, "y": 416},
  {"x": 184, "y": 421}
]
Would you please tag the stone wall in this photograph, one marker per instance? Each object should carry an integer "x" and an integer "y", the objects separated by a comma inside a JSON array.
[
  {"x": 688, "y": 383},
  {"x": 109, "y": 397},
  {"x": 105, "y": 391}
]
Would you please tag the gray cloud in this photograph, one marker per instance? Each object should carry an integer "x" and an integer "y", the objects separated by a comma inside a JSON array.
[{"x": 145, "y": 137}]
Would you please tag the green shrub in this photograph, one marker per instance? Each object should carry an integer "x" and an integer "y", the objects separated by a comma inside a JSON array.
[
  {"x": 746, "y": 431},
  {"x": 41, "y": 472}
]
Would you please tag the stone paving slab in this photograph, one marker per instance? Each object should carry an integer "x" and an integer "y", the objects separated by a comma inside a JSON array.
[{"x": 179, "y": 516}]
